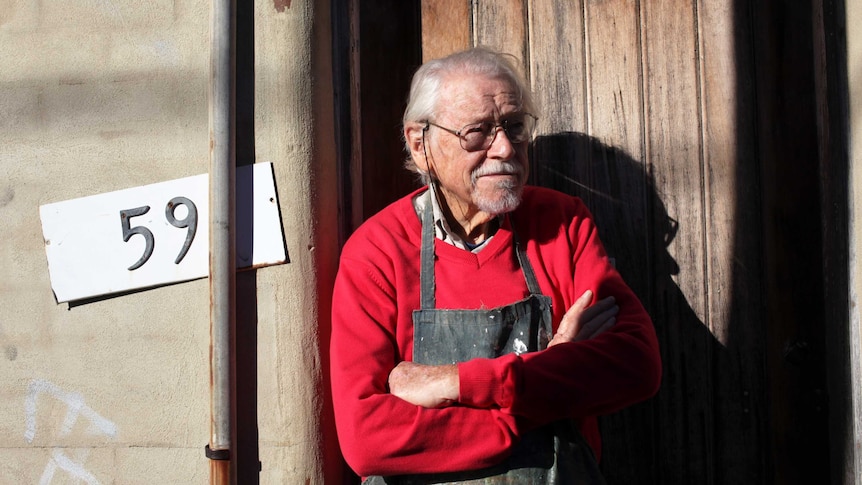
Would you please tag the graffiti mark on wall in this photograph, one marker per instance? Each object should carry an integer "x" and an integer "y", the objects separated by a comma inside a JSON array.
[{"x": 75, "y": 409}]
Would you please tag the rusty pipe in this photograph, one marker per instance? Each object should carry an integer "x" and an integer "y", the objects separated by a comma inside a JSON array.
[{"x": 222, "y": 267}]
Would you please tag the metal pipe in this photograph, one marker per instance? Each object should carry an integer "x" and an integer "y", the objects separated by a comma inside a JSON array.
[{"x": 222, "y": 277}]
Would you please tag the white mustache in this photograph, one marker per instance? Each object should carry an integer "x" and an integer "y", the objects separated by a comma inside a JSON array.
[{"x": 497, "y": 168}]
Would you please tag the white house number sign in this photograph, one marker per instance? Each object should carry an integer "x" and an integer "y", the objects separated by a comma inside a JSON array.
[{"x": 155, "y": 234}]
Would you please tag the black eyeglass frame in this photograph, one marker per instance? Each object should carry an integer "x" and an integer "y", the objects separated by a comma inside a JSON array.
[{"x": 490, "y": 137}]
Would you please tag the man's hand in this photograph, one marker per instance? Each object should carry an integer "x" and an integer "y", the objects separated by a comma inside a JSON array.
[
  {"x": 429, "y": 386},
  {"x": 582, "y": 322}
]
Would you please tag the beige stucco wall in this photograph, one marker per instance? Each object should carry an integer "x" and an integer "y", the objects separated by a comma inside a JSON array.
[
  {"x": 99, "y": 95},
  {"x": 294, "y": 129}
]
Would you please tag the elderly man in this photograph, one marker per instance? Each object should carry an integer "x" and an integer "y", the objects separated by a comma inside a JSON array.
[{"x": 478, "y": 326}]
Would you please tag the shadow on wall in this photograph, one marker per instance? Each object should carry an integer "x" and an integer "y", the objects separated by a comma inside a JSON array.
[{"x": 701, "y": 426}]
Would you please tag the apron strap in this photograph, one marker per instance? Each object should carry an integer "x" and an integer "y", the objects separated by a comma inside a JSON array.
[
  {"x": 526, "y": 267},
  {"x": 426, "y": 275}
]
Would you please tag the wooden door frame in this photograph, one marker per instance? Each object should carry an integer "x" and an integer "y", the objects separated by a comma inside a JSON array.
[{"x": 377, "y": 47}]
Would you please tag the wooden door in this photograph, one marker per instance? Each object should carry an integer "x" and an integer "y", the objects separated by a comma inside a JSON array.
[
  {"x": 695, "y": 132},
  {"x": 674, "y": 122}
]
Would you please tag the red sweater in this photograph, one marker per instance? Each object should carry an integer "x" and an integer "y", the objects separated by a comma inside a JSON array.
[{"x": 377, "y": 289}]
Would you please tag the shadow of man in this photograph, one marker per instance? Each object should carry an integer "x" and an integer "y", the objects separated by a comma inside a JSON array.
[{"x": 702, "y": 426}]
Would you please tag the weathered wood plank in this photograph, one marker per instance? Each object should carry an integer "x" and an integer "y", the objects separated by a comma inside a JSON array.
[
  {"x": 615, "y": 118},
  {"x": 674, "y": 153},
  {"x": 557, "y": 75},
  {"x": 502, "y": 25},
  {"x": 447, "y": 27},
  {"x": 720, "y": 153},
  {"x": 557, "y": 70},
  {"x": 614, "y": 87},
  {"x": 731, "y": 185}
]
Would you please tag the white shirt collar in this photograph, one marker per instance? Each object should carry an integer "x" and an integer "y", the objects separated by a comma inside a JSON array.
[{"x": 441, "y": 227}]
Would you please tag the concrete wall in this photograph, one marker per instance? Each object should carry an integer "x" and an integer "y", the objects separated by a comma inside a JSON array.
[
  {"x": 294, "y": 129},
  {"x": 101, "y": 95}
]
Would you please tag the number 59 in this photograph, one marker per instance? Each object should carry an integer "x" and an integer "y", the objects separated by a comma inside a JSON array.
[{"x": 190, "y": 222}]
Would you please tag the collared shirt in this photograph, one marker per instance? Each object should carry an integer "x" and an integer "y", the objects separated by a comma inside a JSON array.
[{"x": 442, "y": 229}]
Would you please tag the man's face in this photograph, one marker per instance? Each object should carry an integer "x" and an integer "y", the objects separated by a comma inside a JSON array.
[{"x": 490, "y": 180}]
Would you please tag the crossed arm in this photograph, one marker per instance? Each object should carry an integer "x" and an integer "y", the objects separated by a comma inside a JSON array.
[{"x": 437, "y": 386}]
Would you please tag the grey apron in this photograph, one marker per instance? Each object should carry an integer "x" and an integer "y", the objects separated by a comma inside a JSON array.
[{"x": 555, "y": 454}]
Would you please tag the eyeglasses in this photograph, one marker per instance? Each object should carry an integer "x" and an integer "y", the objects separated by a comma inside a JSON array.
[{"x": 480, "y": 136}]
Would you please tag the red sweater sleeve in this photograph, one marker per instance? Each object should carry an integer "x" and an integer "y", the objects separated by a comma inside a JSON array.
[{"x": 576, "y": 379}]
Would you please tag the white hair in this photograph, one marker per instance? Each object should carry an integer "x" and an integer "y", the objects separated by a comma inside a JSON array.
[{"x": 429, "y": 79}]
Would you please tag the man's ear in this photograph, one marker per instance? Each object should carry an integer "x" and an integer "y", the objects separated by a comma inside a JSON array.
[{"x": 414, "y": 134}]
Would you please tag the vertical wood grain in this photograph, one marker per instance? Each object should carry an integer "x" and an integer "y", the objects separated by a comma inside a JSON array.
[
  {"x": 558, "y": 79},
  {"x": 732, "y": 186},
  {"x": 501, "y": 25},
  {"x": 448, "y": 26},
  {"x": 674, "y": 144},
  {"x": 615, "y": 85},
  {"x": 616, "y": 118},
  {"x": 557, "y": 66},
  {"x": 674, "y": 153}
]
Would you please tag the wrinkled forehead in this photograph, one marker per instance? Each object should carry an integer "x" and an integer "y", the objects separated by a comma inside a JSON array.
[{"x": 469, "y": 96}]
